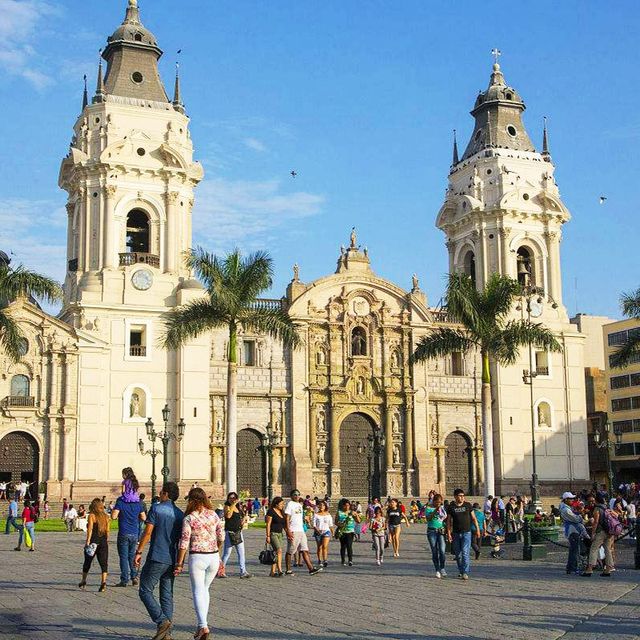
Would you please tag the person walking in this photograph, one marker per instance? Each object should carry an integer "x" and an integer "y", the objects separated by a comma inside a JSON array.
[
  {"x": 346, "y": 530},
  {"x": 12, "y": 519},
  {"x": 322, "y": 532},
  {"x": 395, "y": 518},
  {"x": 235, "y": 518},
  {"x": 96, "y": 543},
  {"x": 294, "y": 516},
  {"x": 70, "y": 518},
  {"x": 29, "y": 520},
  {"x": 436, "y": 516},
  {"x": 163, "y": 529},
  {"x": 460, "y": 518},
  {"x": 574, "y": 529},
  {"x": 275, "y": 526},
  {"x": 481, "y": 519},
  {"x": 128, "y": 515},
  {"x": 378, "y": 526},
  {"x": 601, "y": 538},
  {"x": 202, "y": 535}
]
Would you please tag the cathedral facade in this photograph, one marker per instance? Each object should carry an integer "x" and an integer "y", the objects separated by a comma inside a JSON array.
[{"x": 348, "y": 413}]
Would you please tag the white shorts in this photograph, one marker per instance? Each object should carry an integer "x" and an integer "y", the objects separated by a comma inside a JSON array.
[{"x": 298, "y": 543}]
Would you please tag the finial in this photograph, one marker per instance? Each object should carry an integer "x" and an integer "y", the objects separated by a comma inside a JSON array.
[
  {"x": 354, "y": 238},
  {"x": 100, "y": 93},
  {"x": 456, "y": 159},
  {"x": 496, "y": 53},
  {"x": 85, "y": 94},
  {"x": 133, "y": 13},
  {"x": 177, "y": 97},
  {"x": 133, "y": 4},
  {"x": 545, "y": 141}
]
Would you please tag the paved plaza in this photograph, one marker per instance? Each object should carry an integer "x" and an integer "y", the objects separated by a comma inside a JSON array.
[{"x": 398, "y": 601}]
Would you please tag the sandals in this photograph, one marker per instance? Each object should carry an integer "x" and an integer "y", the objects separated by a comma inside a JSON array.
[
  {"x": 201, "y": 634},
  {"x": 82, "y": 585},
  {"x": 103, "y": 587}
]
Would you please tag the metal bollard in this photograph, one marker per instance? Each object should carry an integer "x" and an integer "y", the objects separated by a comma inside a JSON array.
[
  {"x": 637, "y": 552},
  {"x": 527, "y": 550}
]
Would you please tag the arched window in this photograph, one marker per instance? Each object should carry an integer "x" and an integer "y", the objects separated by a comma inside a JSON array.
[
  {"x": 526, "y": 272},
  {"x": 359, "y": 342},
  {"x": 469, "y": 265},
  {"x": 137, "y": 232},
  {"x": 20, "y": 386}
]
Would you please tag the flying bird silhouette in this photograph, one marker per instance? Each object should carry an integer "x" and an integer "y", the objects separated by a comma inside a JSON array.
[
  {"x": 293, "y": 174},
  {"x": 602, "y": 199}
]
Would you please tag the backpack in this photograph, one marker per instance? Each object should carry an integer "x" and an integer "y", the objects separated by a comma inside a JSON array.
[{"x": 610, "y": 524}]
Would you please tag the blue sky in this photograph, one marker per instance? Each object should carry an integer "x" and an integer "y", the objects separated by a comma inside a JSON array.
[{"x": 359, "y": 97}]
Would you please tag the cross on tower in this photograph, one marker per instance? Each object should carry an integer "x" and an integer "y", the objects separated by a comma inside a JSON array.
[{"x": 496, "y": 53}]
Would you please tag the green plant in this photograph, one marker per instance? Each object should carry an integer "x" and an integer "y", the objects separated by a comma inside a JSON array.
[{"x": 626, "y": 354}]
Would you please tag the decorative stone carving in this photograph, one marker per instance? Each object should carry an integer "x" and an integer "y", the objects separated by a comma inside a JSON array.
[
  {"x": 319, "y": 486},
  {"x": 396, "y": 454},
  {"x": 322, "y": 450},
  {"x": 360, "y": 386},
  {"x": 395, "y": 423},
  {"x": 321, "y": 423},
  {"x": 434, "y": 430}
]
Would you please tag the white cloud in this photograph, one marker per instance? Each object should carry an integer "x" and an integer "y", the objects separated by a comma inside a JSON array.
[
  {"x": 243, "y": 213},
  {"x": 33, "y": 233},
  {"x": 255, "y": 144},
  {"x": 20, "y": 22}
]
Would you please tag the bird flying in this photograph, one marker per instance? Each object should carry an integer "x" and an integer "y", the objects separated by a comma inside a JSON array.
[
  {"x": 293, "y": 174},
  {"x": 602, "y": 199}
]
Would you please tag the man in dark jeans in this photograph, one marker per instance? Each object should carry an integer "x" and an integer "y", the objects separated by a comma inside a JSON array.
[
  {"x": 460, "y": 523},
  {"x": 163, "y": 528},
  {"x": 128, "y": 515}
]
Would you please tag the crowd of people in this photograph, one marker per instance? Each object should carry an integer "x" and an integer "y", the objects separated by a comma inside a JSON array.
[{"x": 205, "y": 537}]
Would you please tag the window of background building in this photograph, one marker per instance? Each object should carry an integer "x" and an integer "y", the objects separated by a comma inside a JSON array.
[
  {"x": 620, "y": 382},
  {"x": 20, "y": 386},
  {"x": 138, "y": 341},
  {"x": 249, "y": 353},
  {"x": 542, "y": 363},
  {"x": 457, "y": 364}
]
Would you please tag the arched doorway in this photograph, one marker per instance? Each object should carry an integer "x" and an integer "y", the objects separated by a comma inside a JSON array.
[
  {"x": 457, "y": 462},
  {"x": 354, "y": 451},
  {"x": 20, "y": 460},
  {"x": 251, "y": 463}
]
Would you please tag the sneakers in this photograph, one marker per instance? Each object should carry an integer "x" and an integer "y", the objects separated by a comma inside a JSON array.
[
  {"x": 464, "y": 576},
  {"x": 164, "y": 631},
  {"x": 312, "y": 572},
  {"x": 378, "y": 562},
  {"x": 289, "y": 573},
  {"x": 350, "y": 563},
  {"x": 245, "y": 575},
  {"x": 135, "y": 582},
  {"x": 121, "y": 584},
  {"x": 438, "y": 575},
  {"x": 443, "y": 573},
  {"x": 325, "y": 564}
]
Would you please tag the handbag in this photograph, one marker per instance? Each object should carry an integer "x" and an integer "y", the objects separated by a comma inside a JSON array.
[
  {"x": 90, "y": 549},
  {"x": 267, "y": 555},
  {"x": 235, "y": 537}
]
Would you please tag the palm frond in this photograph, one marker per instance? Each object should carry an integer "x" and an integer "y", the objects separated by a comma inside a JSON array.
[
  {"x": 190, "y": 320},
  {"x": 462, "y": 300},
  {"x": 213, "y": 272},
  {"x": 628, "y": 352},
  {"x": 256, "y": 276},
  {"x": 275, "y": 322},
  {"x": 498, "y": 296},
  {"x": 442, "y": 342},
  {"x": 630, "y": 303},
  {"x": 10, "y": 336},
  {"x": 516, "y": 334},
  {"x": 19, "y": 281}
]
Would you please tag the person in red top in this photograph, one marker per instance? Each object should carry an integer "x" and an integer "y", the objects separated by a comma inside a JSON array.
[{"x": 29, "y": 522}]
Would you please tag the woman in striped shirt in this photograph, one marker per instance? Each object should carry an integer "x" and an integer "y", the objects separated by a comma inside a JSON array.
[{"x": 202, "y": 535}]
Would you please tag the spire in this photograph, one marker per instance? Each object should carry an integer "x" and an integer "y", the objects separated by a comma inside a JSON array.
[
  {"x": 456, "y": 159},
  {"x": 100, "y": 93},
  {"x": 545, "y": 142},
  {"x": 133, "y": 13},
  {"x": 177, "y": 97},
  {"x": 85, "y": 94}
]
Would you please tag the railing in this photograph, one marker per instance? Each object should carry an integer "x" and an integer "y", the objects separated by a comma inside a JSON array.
[
  {"x": 127, "y": 259},
  {"x": 73, "y": 266},
  {"x": 19, "y": 401},
  {"x": 269, "y": 303},
  {"x": 137, "y": 351},
  {"x": 542, "y": 371}
]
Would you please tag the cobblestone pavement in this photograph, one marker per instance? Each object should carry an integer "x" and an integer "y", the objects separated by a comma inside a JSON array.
[{"x": 399, "y": 601}]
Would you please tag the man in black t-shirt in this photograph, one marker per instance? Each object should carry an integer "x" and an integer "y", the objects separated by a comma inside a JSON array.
[{"x": 460, "y": 517}]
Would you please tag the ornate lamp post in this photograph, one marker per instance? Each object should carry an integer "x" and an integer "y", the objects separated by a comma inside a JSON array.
[
  {"x": 377, "y": 441},
  {"x": 531, "y": 302},
  {"x": 165, "y": 437},
  {"x": 269, "y": 441},
  {"x": 609, "y": 445}
]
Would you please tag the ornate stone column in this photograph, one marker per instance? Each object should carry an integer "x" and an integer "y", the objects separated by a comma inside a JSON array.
[
  {"x": 335, "y": 450},
  {"x": 171, "y": 246},
  {"x": 52, "y": 467},
  {"x": 109, "y": 249},
  {"x": 313, "y": 435},
  {"x": 65, "y": 451},
  {"x": 388, "y": 434},
  {"x": 87, "y": 231}
]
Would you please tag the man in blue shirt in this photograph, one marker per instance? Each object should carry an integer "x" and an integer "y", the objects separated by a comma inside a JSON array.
[
  {"x": 163, "y": 528},
  {"x": 128, "y": 515},
  {"x": 12, "y": 516}
]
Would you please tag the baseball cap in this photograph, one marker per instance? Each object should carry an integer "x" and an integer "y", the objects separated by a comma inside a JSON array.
[{"x": 567, "y": 494}]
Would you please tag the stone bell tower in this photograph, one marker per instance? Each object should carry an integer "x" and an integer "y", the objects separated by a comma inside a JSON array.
[
  {"x": 130, "y": 176},
  {"x": 503, "y": 214}
]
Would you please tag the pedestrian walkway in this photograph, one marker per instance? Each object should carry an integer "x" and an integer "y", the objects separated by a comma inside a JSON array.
[{"x": 399, "y": 601}]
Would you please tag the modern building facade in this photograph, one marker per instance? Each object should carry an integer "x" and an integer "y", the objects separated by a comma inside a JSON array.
[{"x": 93, "y": 376}]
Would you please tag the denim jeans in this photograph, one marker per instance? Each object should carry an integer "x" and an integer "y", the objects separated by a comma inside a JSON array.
[
  {"x": 239, "y": 550},
  {"x": 11, "y": 522},
  {"x": 127, "y": 550},
  {"x": 436, "y": 542},
  {"x": 574, "y": 552},
  {"x": 152, "y": 573},
  {"x": 461, "y": 548},
  {"x": 31, "y": 526}
]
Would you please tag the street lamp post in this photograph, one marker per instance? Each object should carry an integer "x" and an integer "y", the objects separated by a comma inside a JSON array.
[
  {"x": 608, "y": 445},
  {"x": 269, "y": 441},
  {"x": 377, "y": 441},
  {"x": 531, "y": 302},
  {"x": 165, "y": 437},
  {"x": 370, "y": 453}
]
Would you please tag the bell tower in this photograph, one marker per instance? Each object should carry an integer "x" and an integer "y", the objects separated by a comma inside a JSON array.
[
  {"x": 130, "y": 176},
  {"x": 503, "y": 211},
  {"x": 503, "y": 214}
]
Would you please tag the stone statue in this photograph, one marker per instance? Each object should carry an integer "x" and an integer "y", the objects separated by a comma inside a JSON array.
[
  {"x": 321, "y": 422},
  {"x": 321, "y": 453},
  {"x": 342, "y": 250},
  {"x": 219, "y": 426},
  {"x": 434, "y": 430},
  {"x": 296, "y": 272},
  {"x": 322, "y": 358},
  {"x": 396, "y": 454},
  {"x": 394, "y": 359},
  {"x": 354, "y": 238},
  {"x": 360, "y": 386},
  {"x": 415, "y": 282},
  {"x": 542, "y": 419},
  {"x": 134, "y": 406},
  {"x": 395, "y": 423}
]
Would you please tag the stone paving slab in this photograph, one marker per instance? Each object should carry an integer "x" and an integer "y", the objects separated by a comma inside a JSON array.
[{"x": 401, "y": 600}]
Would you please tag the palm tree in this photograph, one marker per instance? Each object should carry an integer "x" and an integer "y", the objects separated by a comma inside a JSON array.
[
  {"x": 630, "y": 350},
  {"x": 17, "y": 283},
  {"x": 233, "y": 284},
  {"x": 486, "y": 327}
]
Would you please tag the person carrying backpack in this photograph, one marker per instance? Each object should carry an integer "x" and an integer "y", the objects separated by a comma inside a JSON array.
[{"x": 606, "y": 527}]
